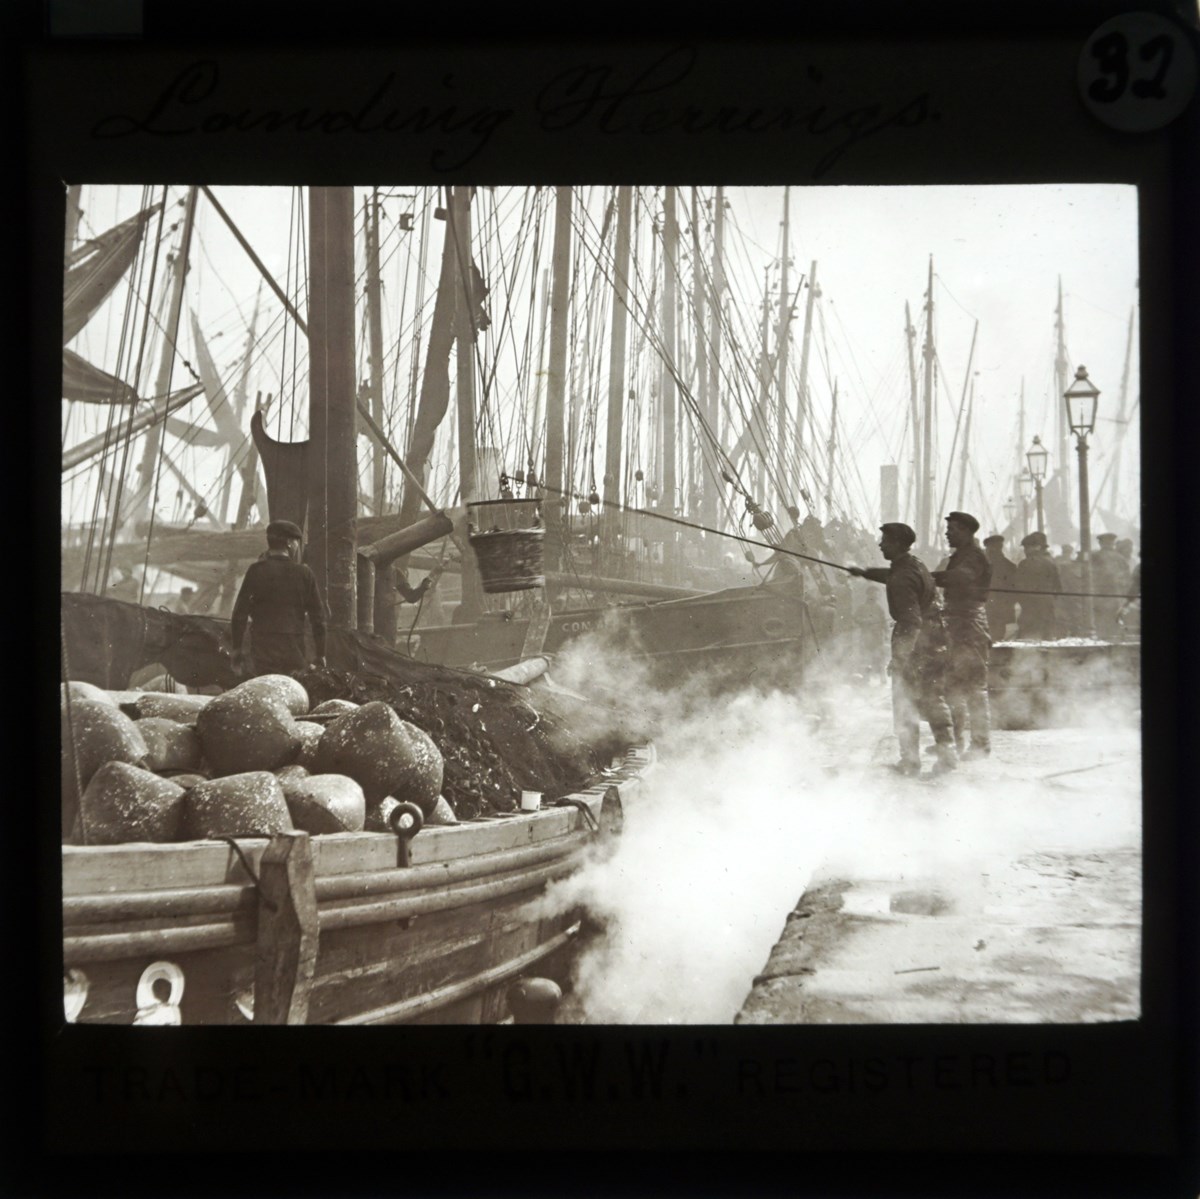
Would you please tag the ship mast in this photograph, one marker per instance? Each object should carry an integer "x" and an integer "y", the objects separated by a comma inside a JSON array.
[
  {"x": 1060, "y": 386},
  {"x": 1114, "y": 489},
  {"x": 555, "y": 515},
  {"x": 701, "y": 483},
  {"x": 923, "y": 516},
  {"x": 914, "y": 478},
  {"x": 708, "y": 505},
  {"x": 786, "y": 485},
  {"x": 333, "y": 416},
  {"x": 464, "y": 336},
  {"x": 611, "y": 523},
  {"x": 667, "y": 391},
  {"x": 162, "y": 382},
  {"x": 802, "y": 388}
]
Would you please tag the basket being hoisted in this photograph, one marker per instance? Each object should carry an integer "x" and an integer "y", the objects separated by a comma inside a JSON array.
[{"x": 506, "y": 536}]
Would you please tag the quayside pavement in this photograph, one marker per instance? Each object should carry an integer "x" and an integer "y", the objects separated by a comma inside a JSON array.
[{"x": 1009, "y": 892}]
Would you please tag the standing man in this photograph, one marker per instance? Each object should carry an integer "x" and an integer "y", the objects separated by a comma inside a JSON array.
[
  {"x": 918, "y": 658},
  {"x": 871, "y": 621},
  {"x": 278, "y": 592},
  {"x": 964, "y": 583},
  {"x": 1038, "y": 581},
  {"x": 1001, "y": 603},
  {"x": 1110, "y": 578},
  {"x": 785, "y": 566},
  {"x": 1068, "y": 608}
]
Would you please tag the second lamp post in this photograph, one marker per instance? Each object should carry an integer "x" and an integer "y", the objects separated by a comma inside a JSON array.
[{"x": 1081, "y": 399}]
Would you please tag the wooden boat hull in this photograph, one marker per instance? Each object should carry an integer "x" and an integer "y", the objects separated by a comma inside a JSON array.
[
  {"x": 432, "y": 930},
  {"x": 733, "y": 633}
]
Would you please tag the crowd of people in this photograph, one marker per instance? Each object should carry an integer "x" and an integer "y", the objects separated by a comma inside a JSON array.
[{"x": 945, "y": 621}]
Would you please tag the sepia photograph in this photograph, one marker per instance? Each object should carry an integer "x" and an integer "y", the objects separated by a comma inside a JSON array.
[{"x": 463, "y": 587}]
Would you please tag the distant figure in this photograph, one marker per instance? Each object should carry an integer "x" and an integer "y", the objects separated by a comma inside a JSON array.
[
  {"x": 918, "y": 655},
  {"x": 871, "y": 621},
  {"x": 1039, "y": 583},
  {"x": 277, "y": 593},
  {"x": 1001, "y": 603},
  {"x": 783, "y": 565},
  {"x": 128, "y": 586},
  {"x": 1110, "y": 582},
  {"x": 186, "y": 601},
  {"x": 1068, "y": 608},
  {"x": 964, "y": 583},
  {"x": 1130, "y": 616}
]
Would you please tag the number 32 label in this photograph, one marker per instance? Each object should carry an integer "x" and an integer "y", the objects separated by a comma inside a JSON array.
[{"x": 1137, "y": 72}]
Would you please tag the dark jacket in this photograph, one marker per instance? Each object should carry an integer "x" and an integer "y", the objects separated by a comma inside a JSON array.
[
  {"x": 910, "y": 598},
  {"x": 276, "y": 595}
]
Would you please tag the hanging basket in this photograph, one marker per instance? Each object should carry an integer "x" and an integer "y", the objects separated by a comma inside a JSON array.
[{"x": 506, "y": 536}]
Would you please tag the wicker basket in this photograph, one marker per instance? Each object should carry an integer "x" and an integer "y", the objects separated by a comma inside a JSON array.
[{"x": 506, "y": 536}]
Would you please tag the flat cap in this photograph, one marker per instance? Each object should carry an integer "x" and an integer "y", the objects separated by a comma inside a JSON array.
[
  {"x": 902, "y": 533},
  {"x": 1034, "y": 539},
  {"x": 1107, "y": 538},
  {"x": 965, "y": 519},
  {"x": 284, "y": 528},
  {"x": 994, "y": 539}
]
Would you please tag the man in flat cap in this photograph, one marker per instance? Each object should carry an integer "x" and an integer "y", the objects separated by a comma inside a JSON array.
[
  {"x": 918, "y": 653},
  {"x": 1110, "y": 580},
  {"x": 1068, "y": 608},
  {"x": 1001, "y": 603},
  {"x": 278, "y": 592},
  {"x": 1038, "y": 583},
  {"x": 964, "y": 583}
]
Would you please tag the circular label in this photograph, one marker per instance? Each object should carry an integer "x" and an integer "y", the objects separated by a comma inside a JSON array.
[{"x": 1137, "y": 72}]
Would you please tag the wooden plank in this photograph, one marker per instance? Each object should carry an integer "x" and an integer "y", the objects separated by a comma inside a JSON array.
[
  {"x": 286, "y": 952},
  {"x": 447, "y": 842}
]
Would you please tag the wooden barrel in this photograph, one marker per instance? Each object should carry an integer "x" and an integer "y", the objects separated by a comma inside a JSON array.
[{"x": 506, "y": 536}]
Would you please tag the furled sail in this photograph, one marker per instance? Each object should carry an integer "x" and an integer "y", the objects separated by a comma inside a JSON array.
[
  {"x": 86, "y": 450},
  {"x": 89, "y": 384},
  {"x": 96, "y": 268}
]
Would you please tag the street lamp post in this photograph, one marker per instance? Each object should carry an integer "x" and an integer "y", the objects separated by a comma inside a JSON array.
[
  {"x": 1037, "y": 457},
  {"x": 1081, "y": 399},
  {"x": 1025, "y": 483},
  {"x": 1010, "y": 513}
]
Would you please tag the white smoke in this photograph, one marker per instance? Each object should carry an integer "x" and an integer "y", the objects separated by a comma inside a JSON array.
[{"x": 758, "y": 796}]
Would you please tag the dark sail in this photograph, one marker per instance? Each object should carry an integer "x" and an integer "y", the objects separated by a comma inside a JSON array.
[
  {"x": 89, "y": 384},
  {"x": 98, "y": 267}
]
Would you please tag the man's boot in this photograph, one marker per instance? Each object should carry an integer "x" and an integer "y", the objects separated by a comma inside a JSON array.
[{"x": 947, "y": 759}]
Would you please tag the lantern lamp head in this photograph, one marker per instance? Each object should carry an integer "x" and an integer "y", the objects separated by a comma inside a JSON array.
[
  {"x": 1037, "y": 457},
  {"x": 1081, "y": 399}
]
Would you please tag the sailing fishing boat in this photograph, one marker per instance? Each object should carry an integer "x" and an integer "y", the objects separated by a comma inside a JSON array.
[{"x": 299, "y": 929}]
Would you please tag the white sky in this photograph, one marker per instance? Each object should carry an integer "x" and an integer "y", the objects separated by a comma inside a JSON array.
[{"x": 998, "y": 253}]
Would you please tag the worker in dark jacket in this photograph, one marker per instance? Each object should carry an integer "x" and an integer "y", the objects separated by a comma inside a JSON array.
[
  {"x": 1001, "y": 603},
  {"x": 277, "y": 594},
  {"x": 964, "y": 583},
  {"x": 1038, "y": 582},
  {"x": 918, "y": 655},
  {"x": 1110, "y": 581}
]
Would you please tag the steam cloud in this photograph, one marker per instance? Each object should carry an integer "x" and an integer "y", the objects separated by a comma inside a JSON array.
[{"x": 760, "y": 794}]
